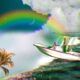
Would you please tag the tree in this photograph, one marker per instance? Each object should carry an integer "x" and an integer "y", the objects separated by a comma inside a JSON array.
[{"x": 5, "y": 60}]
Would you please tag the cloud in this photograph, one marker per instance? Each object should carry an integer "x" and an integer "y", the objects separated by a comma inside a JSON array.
[
  {"x": 48, "y": 5},
  {"x": 39, "y": 5},
  {"x": 66, "y": 11},
  {"x": 26, "y": 56},
  {"x": 27, "y": 2}
]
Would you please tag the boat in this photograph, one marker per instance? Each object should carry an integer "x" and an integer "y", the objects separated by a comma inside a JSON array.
[{"x": 71, "y": 56}]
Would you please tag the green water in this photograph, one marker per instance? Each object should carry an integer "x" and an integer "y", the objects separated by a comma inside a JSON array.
[{"x": 58, "y": 70}]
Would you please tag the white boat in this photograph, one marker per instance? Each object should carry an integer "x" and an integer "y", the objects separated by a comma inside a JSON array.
[{"x": 57, "y": 53}]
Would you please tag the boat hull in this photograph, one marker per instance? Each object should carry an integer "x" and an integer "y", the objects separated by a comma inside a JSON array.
[{"x": 57, "y": 54}]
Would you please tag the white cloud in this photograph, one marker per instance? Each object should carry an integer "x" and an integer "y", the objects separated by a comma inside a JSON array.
[
  {"x": 48, "y": 5},
  {"x": 66, "y": 11},
  {"x": 27, "y": 2},
  {"x": 39, "y": 5}
]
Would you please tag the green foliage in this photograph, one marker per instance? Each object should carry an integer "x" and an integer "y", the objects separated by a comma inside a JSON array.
[{"x": 58, "y": 70}]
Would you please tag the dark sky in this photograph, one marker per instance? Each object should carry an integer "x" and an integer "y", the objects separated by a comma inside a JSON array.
[
  {"x": 10, "y": 5},
  {"x": 7, "y": 6}
]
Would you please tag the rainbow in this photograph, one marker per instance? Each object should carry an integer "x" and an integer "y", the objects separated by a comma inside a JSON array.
[
  {"x": 13, "y": 20},
  {"x": 54, "y": 24},
  {"x": 20, "y": 20}
]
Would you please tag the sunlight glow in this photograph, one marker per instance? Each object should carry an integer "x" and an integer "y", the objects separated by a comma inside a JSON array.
[{"x": 45, "y": 60}]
